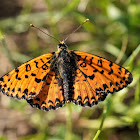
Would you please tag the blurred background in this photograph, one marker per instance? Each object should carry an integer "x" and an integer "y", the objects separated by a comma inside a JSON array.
[{"x": 113, "y": 32}]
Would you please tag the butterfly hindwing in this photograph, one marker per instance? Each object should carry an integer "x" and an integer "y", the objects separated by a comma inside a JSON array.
[
  {"x": 84, "y": 95},
  {"x": 51, "y": 96},
  {"x": 96, "y": 77},
  {"x": 26, "y": 80}
]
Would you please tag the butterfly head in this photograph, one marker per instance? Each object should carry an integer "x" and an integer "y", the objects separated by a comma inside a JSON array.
[{"x": 62, "y": 45}]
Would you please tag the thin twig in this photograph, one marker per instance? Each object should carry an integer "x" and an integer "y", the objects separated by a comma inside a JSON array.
[
  {"x": 123, "y": 49},
  {"x": 6, "y": 48},
  {"x": 105, "y": 112}
]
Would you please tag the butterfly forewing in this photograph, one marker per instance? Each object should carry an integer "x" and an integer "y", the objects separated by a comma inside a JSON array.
[
  {"x": 26, "y": 80},
  {"x": 102, "y": 75}
]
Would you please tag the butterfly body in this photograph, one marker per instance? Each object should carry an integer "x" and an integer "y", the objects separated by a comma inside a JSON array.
[
  {"x": 50, "y": 80},
  {"x": 64, "y": 67}
]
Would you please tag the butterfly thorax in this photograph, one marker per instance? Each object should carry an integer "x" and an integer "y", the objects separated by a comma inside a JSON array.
[{"x": 64, "y": 67}]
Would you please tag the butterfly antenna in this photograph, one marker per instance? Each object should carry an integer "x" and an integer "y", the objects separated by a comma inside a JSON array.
[
  {"x": 31, "y": 25},
  {"x": 76, "y": 29}
]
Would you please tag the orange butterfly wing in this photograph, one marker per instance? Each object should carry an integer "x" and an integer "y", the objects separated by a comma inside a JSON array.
[
  {"x": 96, "y": 77},
  {"x": 51, "y": 96},
  {"x": 26, "y": 81}
]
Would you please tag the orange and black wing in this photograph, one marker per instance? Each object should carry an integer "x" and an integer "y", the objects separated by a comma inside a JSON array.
[
  {"x": 96, "y": 77},
  {"x": 26, "y": 81},
  {"x": 51, "y": 96}
]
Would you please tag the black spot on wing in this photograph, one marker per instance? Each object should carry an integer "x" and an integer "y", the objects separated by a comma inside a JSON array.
[
  {"x": 111, "y": 64},
  {"x": 28, "y": 67},
  {"x": 120, "y": 68},
  {"x": 13, "y": 90},
  {"x": 16, "y": 76},
  {"x": 83, "y": 64},
  {"x": 98, "y": 89},
  {"x": 84, "y": 59},
  {"x": 50, "y": 101},
  {"x": 26, "y": 76},
  {"x": 49, "y": 61},
  {"x": 85, "y": 98},
  {"x": 95, "y": 70},
  {"x": 126, "y": 71},
  {"x": 43, "y": 102},
  {"x": 117, "y": 83},
  {"x": 57, "y": 100},
  {"x": 99, "y": 63},
  {"x": 123, "y": 78},
  {"x": 111, "y": 71},
  {"x": 26, "y": 91},
  {"x": 8, "y": 89},
  {"x": 119, "y": 73},
  {"x": 105, "y": 86},
  {"x": 36, "y": 64},
  {"x": 102, "y": 71},
  {"x": 19, "y": 89},
  {"x": 92, "y": 76},
  {"x": 37, "y": 80},
  {"x": 79, "y": 98},
  {"x": 44, "y": 67},
  {"x": 114, "y": 90},
  {"x": 111, "y": 84},
  {"x": 91, "y": 61},
  {"x": 33, "y": 74},
  {"x": 5, "y": 85},
  {"x": 19, "y": 78},
  {"x": 16, "y": 70}
]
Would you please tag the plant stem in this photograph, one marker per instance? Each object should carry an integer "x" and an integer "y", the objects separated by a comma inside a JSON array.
[
  {"x": 106, "y": 109},
  {"x": 69, "y": 123},
  {"x": 6, "y": 48}
]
